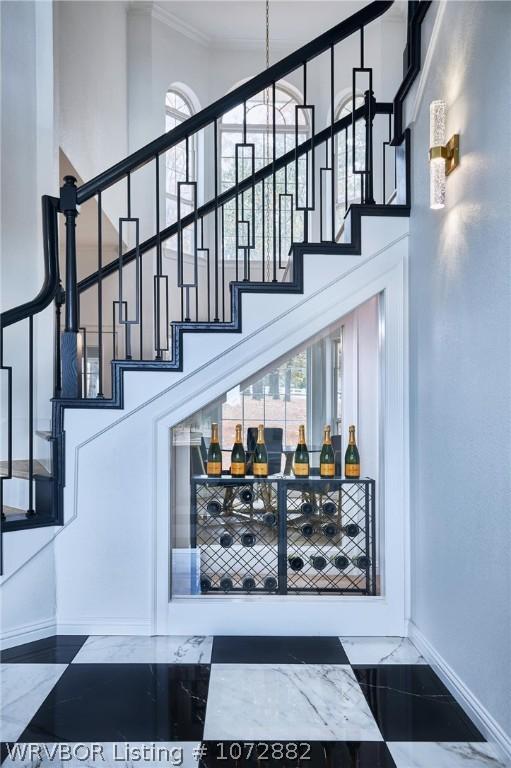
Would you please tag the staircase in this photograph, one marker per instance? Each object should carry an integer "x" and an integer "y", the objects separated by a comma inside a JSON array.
[{"x": 250, "y": 237}]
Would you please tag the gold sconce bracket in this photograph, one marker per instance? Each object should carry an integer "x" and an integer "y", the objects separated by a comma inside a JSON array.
[{"x": 450, "y": 152}]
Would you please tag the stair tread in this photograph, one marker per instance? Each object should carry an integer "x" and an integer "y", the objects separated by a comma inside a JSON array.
[
  {"x": 44, "y": 433},
  {"x": 20, "y": 468},
  {"x": 11, "y": 512}
]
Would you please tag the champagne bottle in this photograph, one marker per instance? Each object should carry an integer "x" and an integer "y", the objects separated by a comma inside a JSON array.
[
  {"x": 205, "y": 584},
  {"x": 260, "y": 455},
  {"x": 351, "y": 530},
  {"x": 306, "y": 508},
  {"x": 214, "y": 508},
  {"x": 270, "y": 583},
  {"x": 307, "y": 530},
  {"x": 226, "y": 583},
  {"x": 246, "y": 496},
  {"x": 301, "y": 460},
  {"x": 249, "y": 584},
  {"x": 326, "y": 457},
  {"x": 352, "y": 458},
  {"x": 238, "y": 460},
  {"x": 226, "y": 540},
  {"x": 270, "y": 519},
  {"x": 328, "y": 508},
  {"x": 318, "y": 562},
  {"x": 248, "y": 539},
  {"x": 362, "y": 562},
  {"x": 341, "y": 562},
  {"x": 295, "y": 562},
  {"x": 214, "y": 454},
  {"x": 330, "y": 530}
]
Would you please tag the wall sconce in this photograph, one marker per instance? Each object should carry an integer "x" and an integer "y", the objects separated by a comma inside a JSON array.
[{"x": 443, "y": 158}]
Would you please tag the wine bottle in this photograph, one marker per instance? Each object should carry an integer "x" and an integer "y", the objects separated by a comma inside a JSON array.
[
  {"x": 270, "y": 583},
  {"x": 326, "y": 457},
  {"x": 306, "y": 508},
  {"x": 351, "y": 530},
  {"x": 248, "y": 584},
  {"x": 214, "y": 508},
  {"x": 226, "y": 540},
  {"x": 301, "y": 459},
  {"x": 226, "y": 583},
  {"x": 341, "y": 562},
  {"x": 328, "y": 508},
  {"x": 307, "y": 530},
  {"x": 270, "y": 519},
  {"x": 248, "y": 539},
  {"x": 318, "y": 562},
  {"x": 295, "y": 562},
  {"x": 205, "y": 584},
  {"x": 214, "y": 454},
  {"x": 260, "y": 463},
  {"x": 362, "y": 562},
  {"x": 246, "y": 496},
  {"x": 330, "y": 530},
  {"x": 238, "y": 459},
  {"x": 352, "y": 458}
]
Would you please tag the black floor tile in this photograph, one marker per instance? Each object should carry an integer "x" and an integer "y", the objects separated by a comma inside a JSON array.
[
  {"x": 278, "y": 650},
  {"x": 123, "y": 702},
  {"x": 58, "y": 649},
  {"x": 316, "y": 754},
  {"x": 410, "y": 703}
]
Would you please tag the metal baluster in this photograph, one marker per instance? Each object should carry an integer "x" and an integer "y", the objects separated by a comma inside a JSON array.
[
  {"x": 263, "y": 228},
  {"x": 100, "y": 297},
  {"x": 30, "y": 511},
  {"x": 223, "y": 265},
  {"x": 332, "y": 147},
  {"x": 57, "y": 373},
  {"x": 345, "y": 169},
  {"x": 368, "y": 184},
  {"x": 216, "y": 319},
  {"x": 274, "y": 280},
  {"x": 157, "y": 302},
  {"x": 306, "y": 212}
]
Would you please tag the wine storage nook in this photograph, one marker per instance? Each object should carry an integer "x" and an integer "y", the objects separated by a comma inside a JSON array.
[{"x": 283, "y": 535}]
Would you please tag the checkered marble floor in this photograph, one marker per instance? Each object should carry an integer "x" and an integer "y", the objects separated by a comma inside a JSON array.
[{"x": 232, "y": 701}]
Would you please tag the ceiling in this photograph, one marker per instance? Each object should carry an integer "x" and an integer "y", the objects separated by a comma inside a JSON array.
[{"x": 218, "y": 22}]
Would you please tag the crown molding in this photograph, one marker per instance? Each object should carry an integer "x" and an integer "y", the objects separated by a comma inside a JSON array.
[{"x": 168, "y": 18}]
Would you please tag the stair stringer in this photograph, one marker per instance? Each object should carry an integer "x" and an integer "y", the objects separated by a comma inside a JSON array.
[{"x": 112, "y": 558}]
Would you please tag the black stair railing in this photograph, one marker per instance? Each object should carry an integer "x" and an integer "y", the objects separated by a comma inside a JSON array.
[
  {"x": 182, "y": 271},
  {"x": 183, "y": 268}
]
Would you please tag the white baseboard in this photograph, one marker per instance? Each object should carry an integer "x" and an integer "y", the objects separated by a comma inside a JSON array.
[
  {"x": 27, "y": 633},
  {"x": 486, "y": 723},
  {"x": 104, "y": 626}
]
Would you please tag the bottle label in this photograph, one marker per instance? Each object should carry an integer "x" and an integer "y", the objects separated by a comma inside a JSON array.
[
  {"x": 352, "y": 470},
  {"x": 327, "y": 470},
  {"x": 238, "y": 468},
  {"x": 302, "y": 470},
  {"x": 214, "y": 467},
  {"x": 260, "y": 470}
]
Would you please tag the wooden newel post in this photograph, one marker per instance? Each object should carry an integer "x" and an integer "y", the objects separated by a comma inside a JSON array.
[
  {"x": 370, "y": 102},
  {"x": 70, "y": 346}
]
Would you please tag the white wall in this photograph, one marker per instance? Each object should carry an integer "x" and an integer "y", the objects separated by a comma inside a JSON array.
[
  {"x": 29, "y": 169},
  {"x": 460, "y": 377}
]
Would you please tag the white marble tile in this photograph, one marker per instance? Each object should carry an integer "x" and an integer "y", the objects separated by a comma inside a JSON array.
[
  {"x": 107, "y": 754},
  {"x": 451, "y": 754},
  {"x": 23, "y": 688},
  {"x": 381, "y": 650},
  {"x": 145, "y": 650},
  {"x": 287, "y": 701}
]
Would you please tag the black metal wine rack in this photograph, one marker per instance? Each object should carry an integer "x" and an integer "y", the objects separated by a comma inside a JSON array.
[{"x": 284, "y": 535}]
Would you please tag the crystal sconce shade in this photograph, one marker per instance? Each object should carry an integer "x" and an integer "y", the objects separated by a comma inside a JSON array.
[{"x": 443, "y": 158}]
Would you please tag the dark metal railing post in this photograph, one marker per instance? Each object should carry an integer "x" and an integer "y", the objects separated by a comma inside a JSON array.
[
  {"x": 71, "y": 362},
  {"x": 57, "y": 371},
  {"x": 369, "y": 118}
]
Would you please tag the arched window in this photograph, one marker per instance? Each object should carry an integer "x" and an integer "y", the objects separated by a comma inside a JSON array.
[
  {"x": 259, "y": 132},
  {"x": 178, "y": 109},
  {"x": 348, "y": 184}
]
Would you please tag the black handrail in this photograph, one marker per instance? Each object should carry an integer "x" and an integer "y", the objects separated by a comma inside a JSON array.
[
  {"x": 244, "y": 92},
  {"x": 51, "y": 268}
]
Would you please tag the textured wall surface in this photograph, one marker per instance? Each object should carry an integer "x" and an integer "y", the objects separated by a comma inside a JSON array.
[{"x": 460, "y": 313}]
